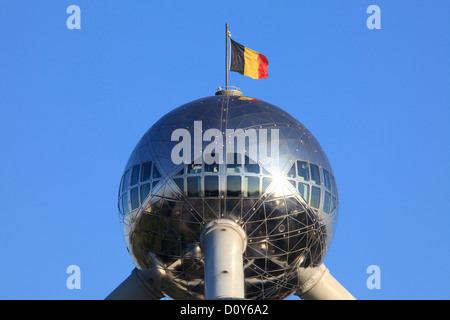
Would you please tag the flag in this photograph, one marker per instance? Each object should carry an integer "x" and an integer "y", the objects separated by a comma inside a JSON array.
[{"x": 248, "y": 62}]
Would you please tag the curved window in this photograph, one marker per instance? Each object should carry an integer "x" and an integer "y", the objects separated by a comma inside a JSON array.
[
  {"x": 291, "y": 172},
  {"x": 211, "y": 186},
  {"x": 180, "y": 183},
  {"x": 120, "y": 205},
  {"x": 126, "y": 180},
  {"x": 333, "y": 184},
  {"x": 120, "y": 189},
  {"x": 234, "y": 164},
  {"x": 134, "y": 198},
  {"x": 145, "y": 190},
  {"x": 315, "y": 197},
  {"x": 265, "y": 183},
  {"x": 303, "y": 170},
  {"x": 193, "y": 186},
  {"x": 125, "y": 207},
  {"x": 212, "y": 168},
  {"x": 135, "y": 174},
  {"x": 326, "y": 202},
  {"x": 326, "y": 179},
  {"x": 315, "y": 175},
  {"x": 156, "y": 174},
  {"x": 333, "y": 203},
  {"x": 233, "y": 186},
  {"x": 194, "y": 168},
  {"x": 303, "y": 188},
  {"x": 251, "y": 186},
  {"x": 146, "y": 171},
  {"x": 250, "y": 167}
]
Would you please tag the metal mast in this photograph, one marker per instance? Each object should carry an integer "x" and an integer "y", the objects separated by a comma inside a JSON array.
[{"x": 226, "y": 56}]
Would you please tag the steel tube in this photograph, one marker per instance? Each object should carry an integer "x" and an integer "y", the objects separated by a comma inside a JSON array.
[{"x": 223, "y": 242}]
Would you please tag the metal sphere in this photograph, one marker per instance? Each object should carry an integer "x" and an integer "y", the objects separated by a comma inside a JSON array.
[{"x": 288, "y": 208}]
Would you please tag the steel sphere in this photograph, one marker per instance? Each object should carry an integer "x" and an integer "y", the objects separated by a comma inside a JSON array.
[{"x": 288, "y": 208}]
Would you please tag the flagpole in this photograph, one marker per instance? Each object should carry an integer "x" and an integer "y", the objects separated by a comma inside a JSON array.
[{"x": 226, "y": 58}]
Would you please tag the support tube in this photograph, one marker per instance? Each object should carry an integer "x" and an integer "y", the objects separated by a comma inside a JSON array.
[
  {"x": 321, "y": 285},
  {"x": 223, "y": 242}
]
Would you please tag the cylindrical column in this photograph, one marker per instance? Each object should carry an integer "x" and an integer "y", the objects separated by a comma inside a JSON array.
[
  {"x": 321, "y": 285},
  {"x": 223, "y": 242},
  {"x": 140, "y": 285}
]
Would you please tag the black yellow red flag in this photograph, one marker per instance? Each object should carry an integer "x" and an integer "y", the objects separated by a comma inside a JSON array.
[{"x": 248, "y": 62}]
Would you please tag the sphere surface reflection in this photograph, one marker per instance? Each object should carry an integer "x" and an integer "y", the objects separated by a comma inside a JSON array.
[{"x": 288, "y": 207}]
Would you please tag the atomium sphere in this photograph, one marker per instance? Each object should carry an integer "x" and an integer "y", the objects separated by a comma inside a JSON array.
[{"x": 285, "y": 200}]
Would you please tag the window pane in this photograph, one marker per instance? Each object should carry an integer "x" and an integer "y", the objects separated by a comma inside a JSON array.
[
  {"x": 120, "y": 205},
  {"x": 234, "y": 164},
  {"x": 211, "y": 186},
  {"x": 303, "y": 170},
  {"x": 250, "y": 167},
  {"x": 326, "y": 179},
  {"x": 315, "y": 197},
  {"x": 291, "y": 172},
  {"x": 135, "y": 174},
  {"x": 126, "y": 181},
  {"x": 315, "y": 175},
  {"x": 193, "y": 187},
  {"x": 326, "y": 202},
  {"x": 146, "y": 171},
  {"x": 180, "y": 183},
  {"x": 214, "y": 168},
  {"x": 194, "y": 168},
  {"x": 145, "y": 189},
  {"x": 156, "y": 173},
  {"x": 154, "y": 183},
  {"x": 333, "y": 184},
  {"x": 120, "y": 189},
  {"x": 134, "y": 197},
  {"x": 303, "y": 188},
  {"x": 233, "y": 186},
  {"x": 181, "y": 172},
  {"x": 333, "y": 204},
  {"x": 265, "y": 183},
  {"x": 125, "y": 207},
  {"x": 251, "y": 187}
]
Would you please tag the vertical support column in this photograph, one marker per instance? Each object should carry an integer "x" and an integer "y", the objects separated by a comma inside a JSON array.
[{"x": 223, "y": 242}]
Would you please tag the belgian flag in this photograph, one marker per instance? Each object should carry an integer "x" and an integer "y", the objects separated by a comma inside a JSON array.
[{"x": 248, "y": 62}]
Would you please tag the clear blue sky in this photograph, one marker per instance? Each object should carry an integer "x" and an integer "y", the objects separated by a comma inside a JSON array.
[{"x": 75, "y": 102}]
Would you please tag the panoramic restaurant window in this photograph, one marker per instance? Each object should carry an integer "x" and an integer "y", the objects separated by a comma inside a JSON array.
[
  {"x": 135, "y": 174},
  {"x": 303, "y": 170},
  {"x": 211, "y": 186},
  {"x": 245, "y": 179},
  {"x": 233, "y": 186},
  {"x": 146, "y": 171},
  {"x": 315, "y": 174},
  {"x": 315, "y": 197}
]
